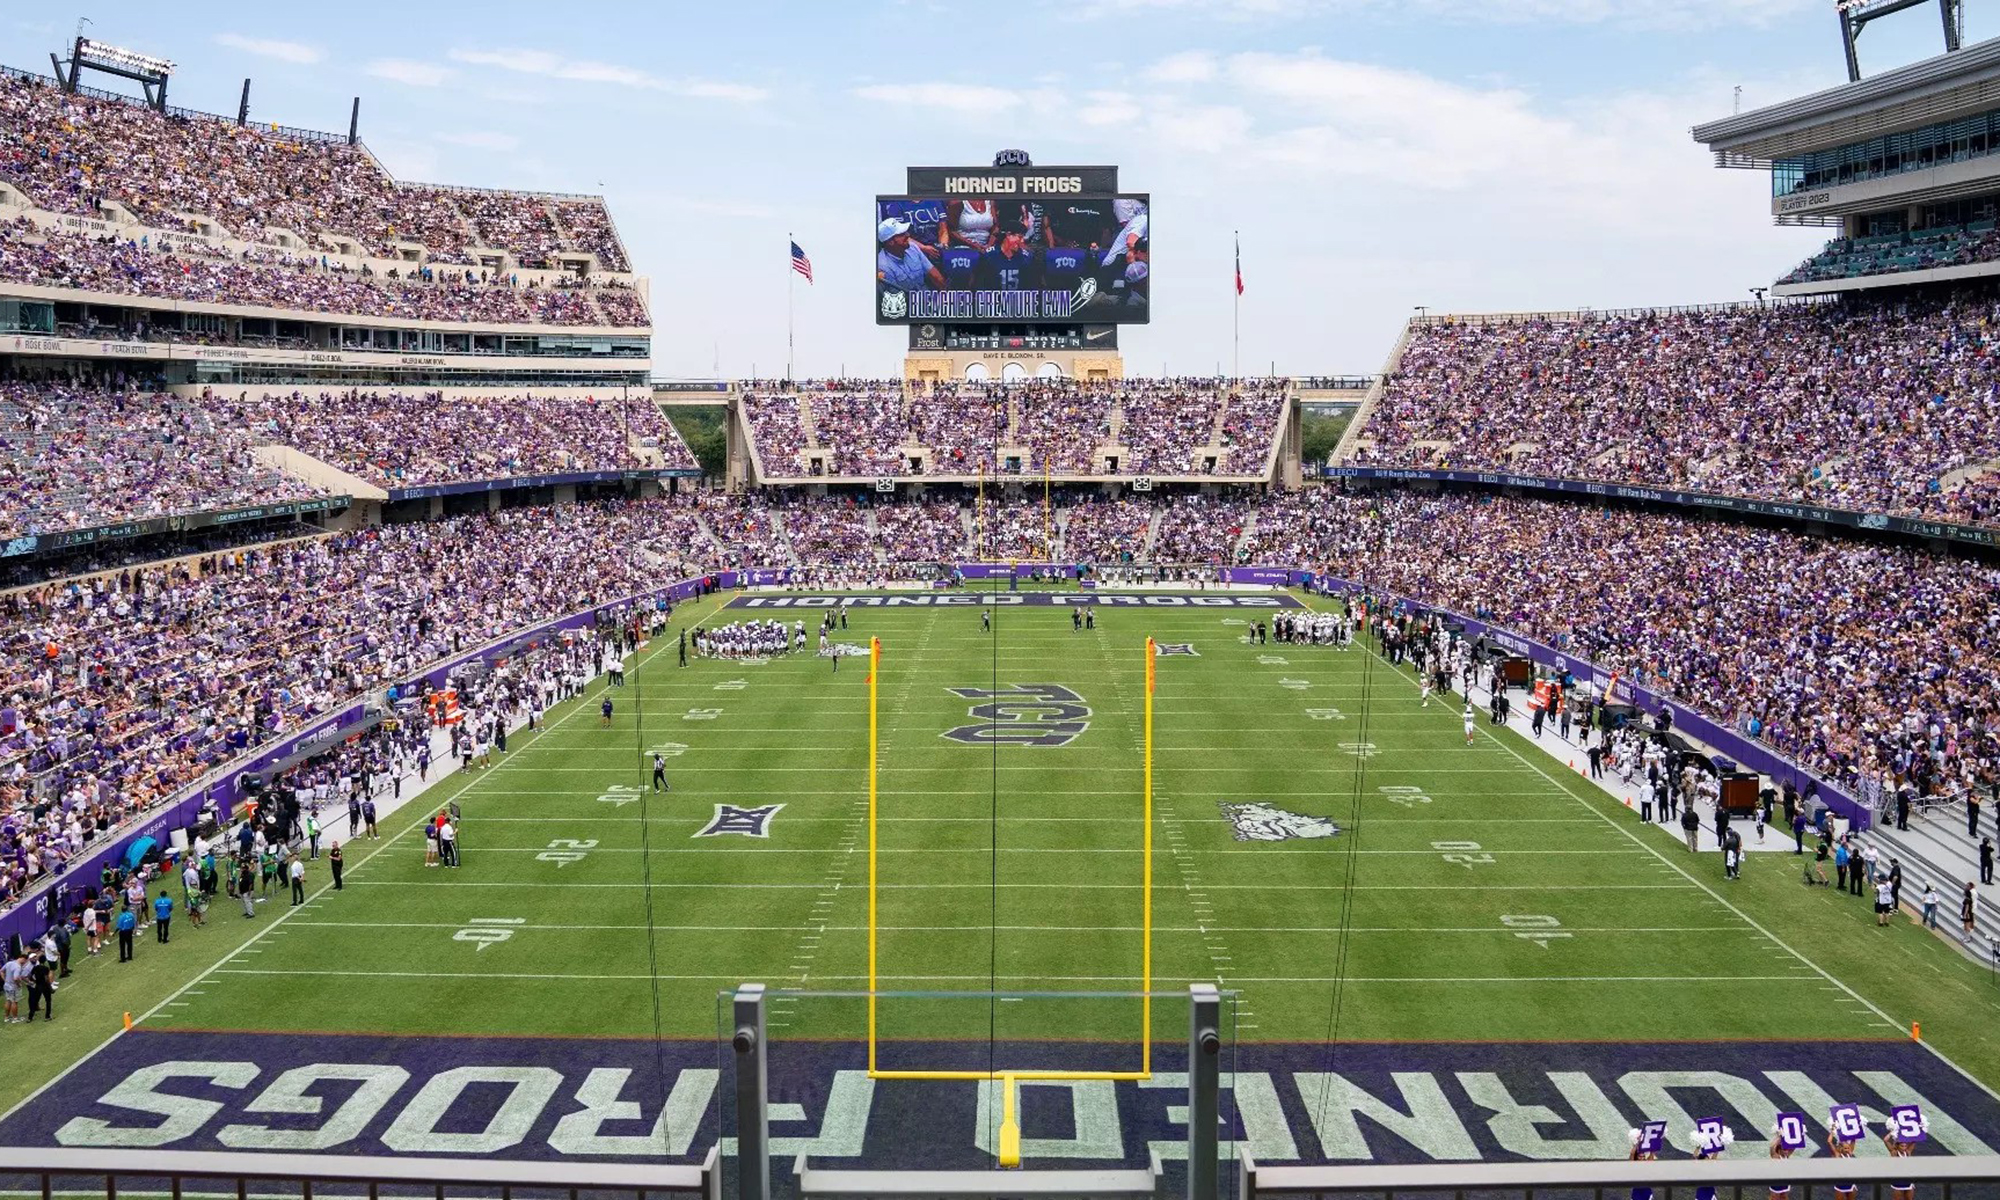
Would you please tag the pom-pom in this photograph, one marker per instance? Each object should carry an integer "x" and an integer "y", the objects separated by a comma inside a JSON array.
[{"x": 1632, "y": 1135}]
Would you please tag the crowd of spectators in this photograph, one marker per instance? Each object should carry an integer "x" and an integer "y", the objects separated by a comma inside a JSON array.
[
  {"x": 1881, "y": 404},
  {"x": 921, "y": 531},
  {"x": 81, "y": 456},
  {"x": 78, "y": 153},
  {"x": 865, "y": 430},
  {"x": 1064, "y": 427},
  {"x": 1107, "y": 531},
  {"x": 963, "y": 424},
  {"x": 118, "y": 691},
  {"x": 1862, "y": 661},
  {"x": 1062, "y": 423},
  {"x": 278, "y": 279},
  {"x": 1202, "y": 529},
  {"x": 410, "y": 439}
]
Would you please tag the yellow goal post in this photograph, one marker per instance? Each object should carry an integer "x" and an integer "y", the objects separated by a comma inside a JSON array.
[{"x": 1010, "y": 1133}]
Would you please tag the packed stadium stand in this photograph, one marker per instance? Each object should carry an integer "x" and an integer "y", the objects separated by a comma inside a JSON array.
[
  {"x": 294, "y": 282},
  {"x": 1063, "y": 428},
  {"x": 74, "y": 457},
  {"x": 402, "y": 439},
  {"x": 82, "y": 154},
  {"x": 1888, "y": 404}
]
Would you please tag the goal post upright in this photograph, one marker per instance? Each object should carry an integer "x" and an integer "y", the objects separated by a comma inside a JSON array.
[
  {"x": 1146, "y": 900},
  {"x": 874, "y": 746}
]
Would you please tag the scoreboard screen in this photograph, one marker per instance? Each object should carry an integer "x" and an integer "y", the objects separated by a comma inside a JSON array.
[{"x": 1013, "y": 259}]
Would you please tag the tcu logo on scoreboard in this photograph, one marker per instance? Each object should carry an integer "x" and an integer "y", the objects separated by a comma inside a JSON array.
[{"x": 1012, "y": 158}]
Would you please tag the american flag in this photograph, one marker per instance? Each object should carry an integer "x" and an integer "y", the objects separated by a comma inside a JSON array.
[{"x": 801, "y": 263}]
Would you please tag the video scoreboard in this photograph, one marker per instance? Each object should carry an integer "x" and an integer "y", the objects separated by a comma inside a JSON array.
[{"x": 1013, "y": 248}]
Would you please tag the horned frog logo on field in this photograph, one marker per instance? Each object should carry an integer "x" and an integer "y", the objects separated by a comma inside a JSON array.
[{"x": 1260, "y": 822}]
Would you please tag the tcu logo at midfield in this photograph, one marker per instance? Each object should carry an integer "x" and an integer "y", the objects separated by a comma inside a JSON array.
[{"x": 1028, "y": 714}]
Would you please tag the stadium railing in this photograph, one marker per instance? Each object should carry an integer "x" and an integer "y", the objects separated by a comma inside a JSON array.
[
  {"x": 178, "y": 1173},
  {"x": 1748, "y": 1176}
]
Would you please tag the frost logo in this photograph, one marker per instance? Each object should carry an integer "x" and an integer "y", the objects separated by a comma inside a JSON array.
[
  {"x": 1260, "y": 822},
  {"x": 1030, "y": 714},
  {"x": 744, "y": 822},
  {"x": 894, "y": 305}
]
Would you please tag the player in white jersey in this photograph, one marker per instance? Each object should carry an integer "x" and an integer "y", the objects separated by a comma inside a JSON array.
[{"x": 1468, "y": 722}]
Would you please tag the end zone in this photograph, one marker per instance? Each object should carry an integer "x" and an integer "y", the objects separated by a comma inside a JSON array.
[{"x": 603, "y": 1099}]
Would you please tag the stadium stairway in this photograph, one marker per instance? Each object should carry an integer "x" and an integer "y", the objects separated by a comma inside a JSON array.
[
  {"x": 325, "y": 475},
  {"x": 1350, "y": 438},
  {"x": 1236, "y": 552},
  {"x": 1935, "y": 849},
  {"x": 1152, "y": 534}
]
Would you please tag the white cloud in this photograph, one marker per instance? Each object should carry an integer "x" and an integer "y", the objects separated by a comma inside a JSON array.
[
  {"x": 283, "y": 51},
  {"x": 409, "y": 71},
  {"x": 943, "y": 97},
  {"x": 1191, "y": 66},
  {"x": 481, "y": 139},
  {"x": 584, "y": 70}
]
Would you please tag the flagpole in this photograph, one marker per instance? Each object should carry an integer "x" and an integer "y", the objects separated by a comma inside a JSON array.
[
  {"x": 1236, "y": 309},
  {"x": 790, "y": 276}
]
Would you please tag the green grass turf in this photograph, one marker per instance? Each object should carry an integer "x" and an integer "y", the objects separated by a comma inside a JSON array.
[{"x": 1019, "y": 869}]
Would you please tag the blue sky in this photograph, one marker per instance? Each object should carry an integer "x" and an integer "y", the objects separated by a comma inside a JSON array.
[{"x": 1468, "y": 155}]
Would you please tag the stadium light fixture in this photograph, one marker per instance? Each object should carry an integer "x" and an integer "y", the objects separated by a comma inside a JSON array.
[
  {"x": 1423, "y": 310},
  {"x": 1759, "y": 293},
  {"x": 118, "y": 56}
]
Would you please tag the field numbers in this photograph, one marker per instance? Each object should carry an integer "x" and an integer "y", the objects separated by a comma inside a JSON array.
[
  {"x": 564, "y": 851},
  {"x": 670, "y": 749},
  {"x": 488, "y": 931},
  {"x": 1408, "y": 797},
  {"x": 732, "y": 685},
  {"x": 1326, "y": 714},
  {"x": 1359, "y": 749},
  {"x": 1463, "y": 854},
  {"x": 1540, "y": 930},
  {"x": 1297, "y": 685},
  {"x": 1234, "y": 621},
  {"x": 619, "y": 794},
  {"x": 702, "y": 714},
  {"x": 1273, "y": 660}
]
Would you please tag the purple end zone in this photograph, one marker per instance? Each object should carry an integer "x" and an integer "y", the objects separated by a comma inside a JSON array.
[
  {"x": 597, "y": 1100},
  {"x": 1098, "y": 599}
]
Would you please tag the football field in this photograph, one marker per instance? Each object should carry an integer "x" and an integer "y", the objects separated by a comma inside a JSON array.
[{"x": 1374, "y": 896}]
